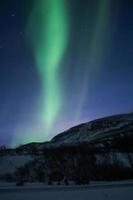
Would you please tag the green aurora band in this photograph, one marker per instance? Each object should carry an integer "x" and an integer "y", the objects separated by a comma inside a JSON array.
[
  {"x": 96, "y": 48},
  {"x": 48, "y": 31}
]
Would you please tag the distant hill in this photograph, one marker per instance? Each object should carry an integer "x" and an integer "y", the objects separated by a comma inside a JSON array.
[
  {"x": 97, "y": 131},
  {"x": 99, "y": 150}
]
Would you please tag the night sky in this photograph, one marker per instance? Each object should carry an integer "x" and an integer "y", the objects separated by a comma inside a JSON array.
[{"x": 62, "y": 62}]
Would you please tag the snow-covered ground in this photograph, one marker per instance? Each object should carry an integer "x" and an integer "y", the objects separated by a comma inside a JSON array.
[{"x": 95, "y": 191}]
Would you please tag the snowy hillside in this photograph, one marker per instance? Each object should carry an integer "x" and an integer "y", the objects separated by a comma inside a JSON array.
[
  {"x": 96, "y": 130},
  {"x": 98, "y": 150}
]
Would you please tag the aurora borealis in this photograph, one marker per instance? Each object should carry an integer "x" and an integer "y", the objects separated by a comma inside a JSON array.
[
  {"x": 96, "y": 47},
  {"x": 62, "y": 63},
  {"x": 49, "y": 44}
]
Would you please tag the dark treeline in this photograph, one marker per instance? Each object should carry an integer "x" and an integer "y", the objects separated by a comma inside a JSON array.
[{"x": 78, "y": 163}]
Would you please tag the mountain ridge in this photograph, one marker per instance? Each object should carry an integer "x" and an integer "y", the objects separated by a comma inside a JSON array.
[
  {"x": 101, "y": 149},
  {"x": 91, "y": 131}
]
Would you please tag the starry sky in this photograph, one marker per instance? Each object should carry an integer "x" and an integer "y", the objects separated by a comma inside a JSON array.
[{"x": 62, "y": 63}]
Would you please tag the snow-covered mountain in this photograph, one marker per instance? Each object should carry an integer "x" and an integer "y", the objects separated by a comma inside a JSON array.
[
  {"x": 93, "y": 132},
  {"x": 104, "y": 146},
  {"x": 97, "y": 131}
]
